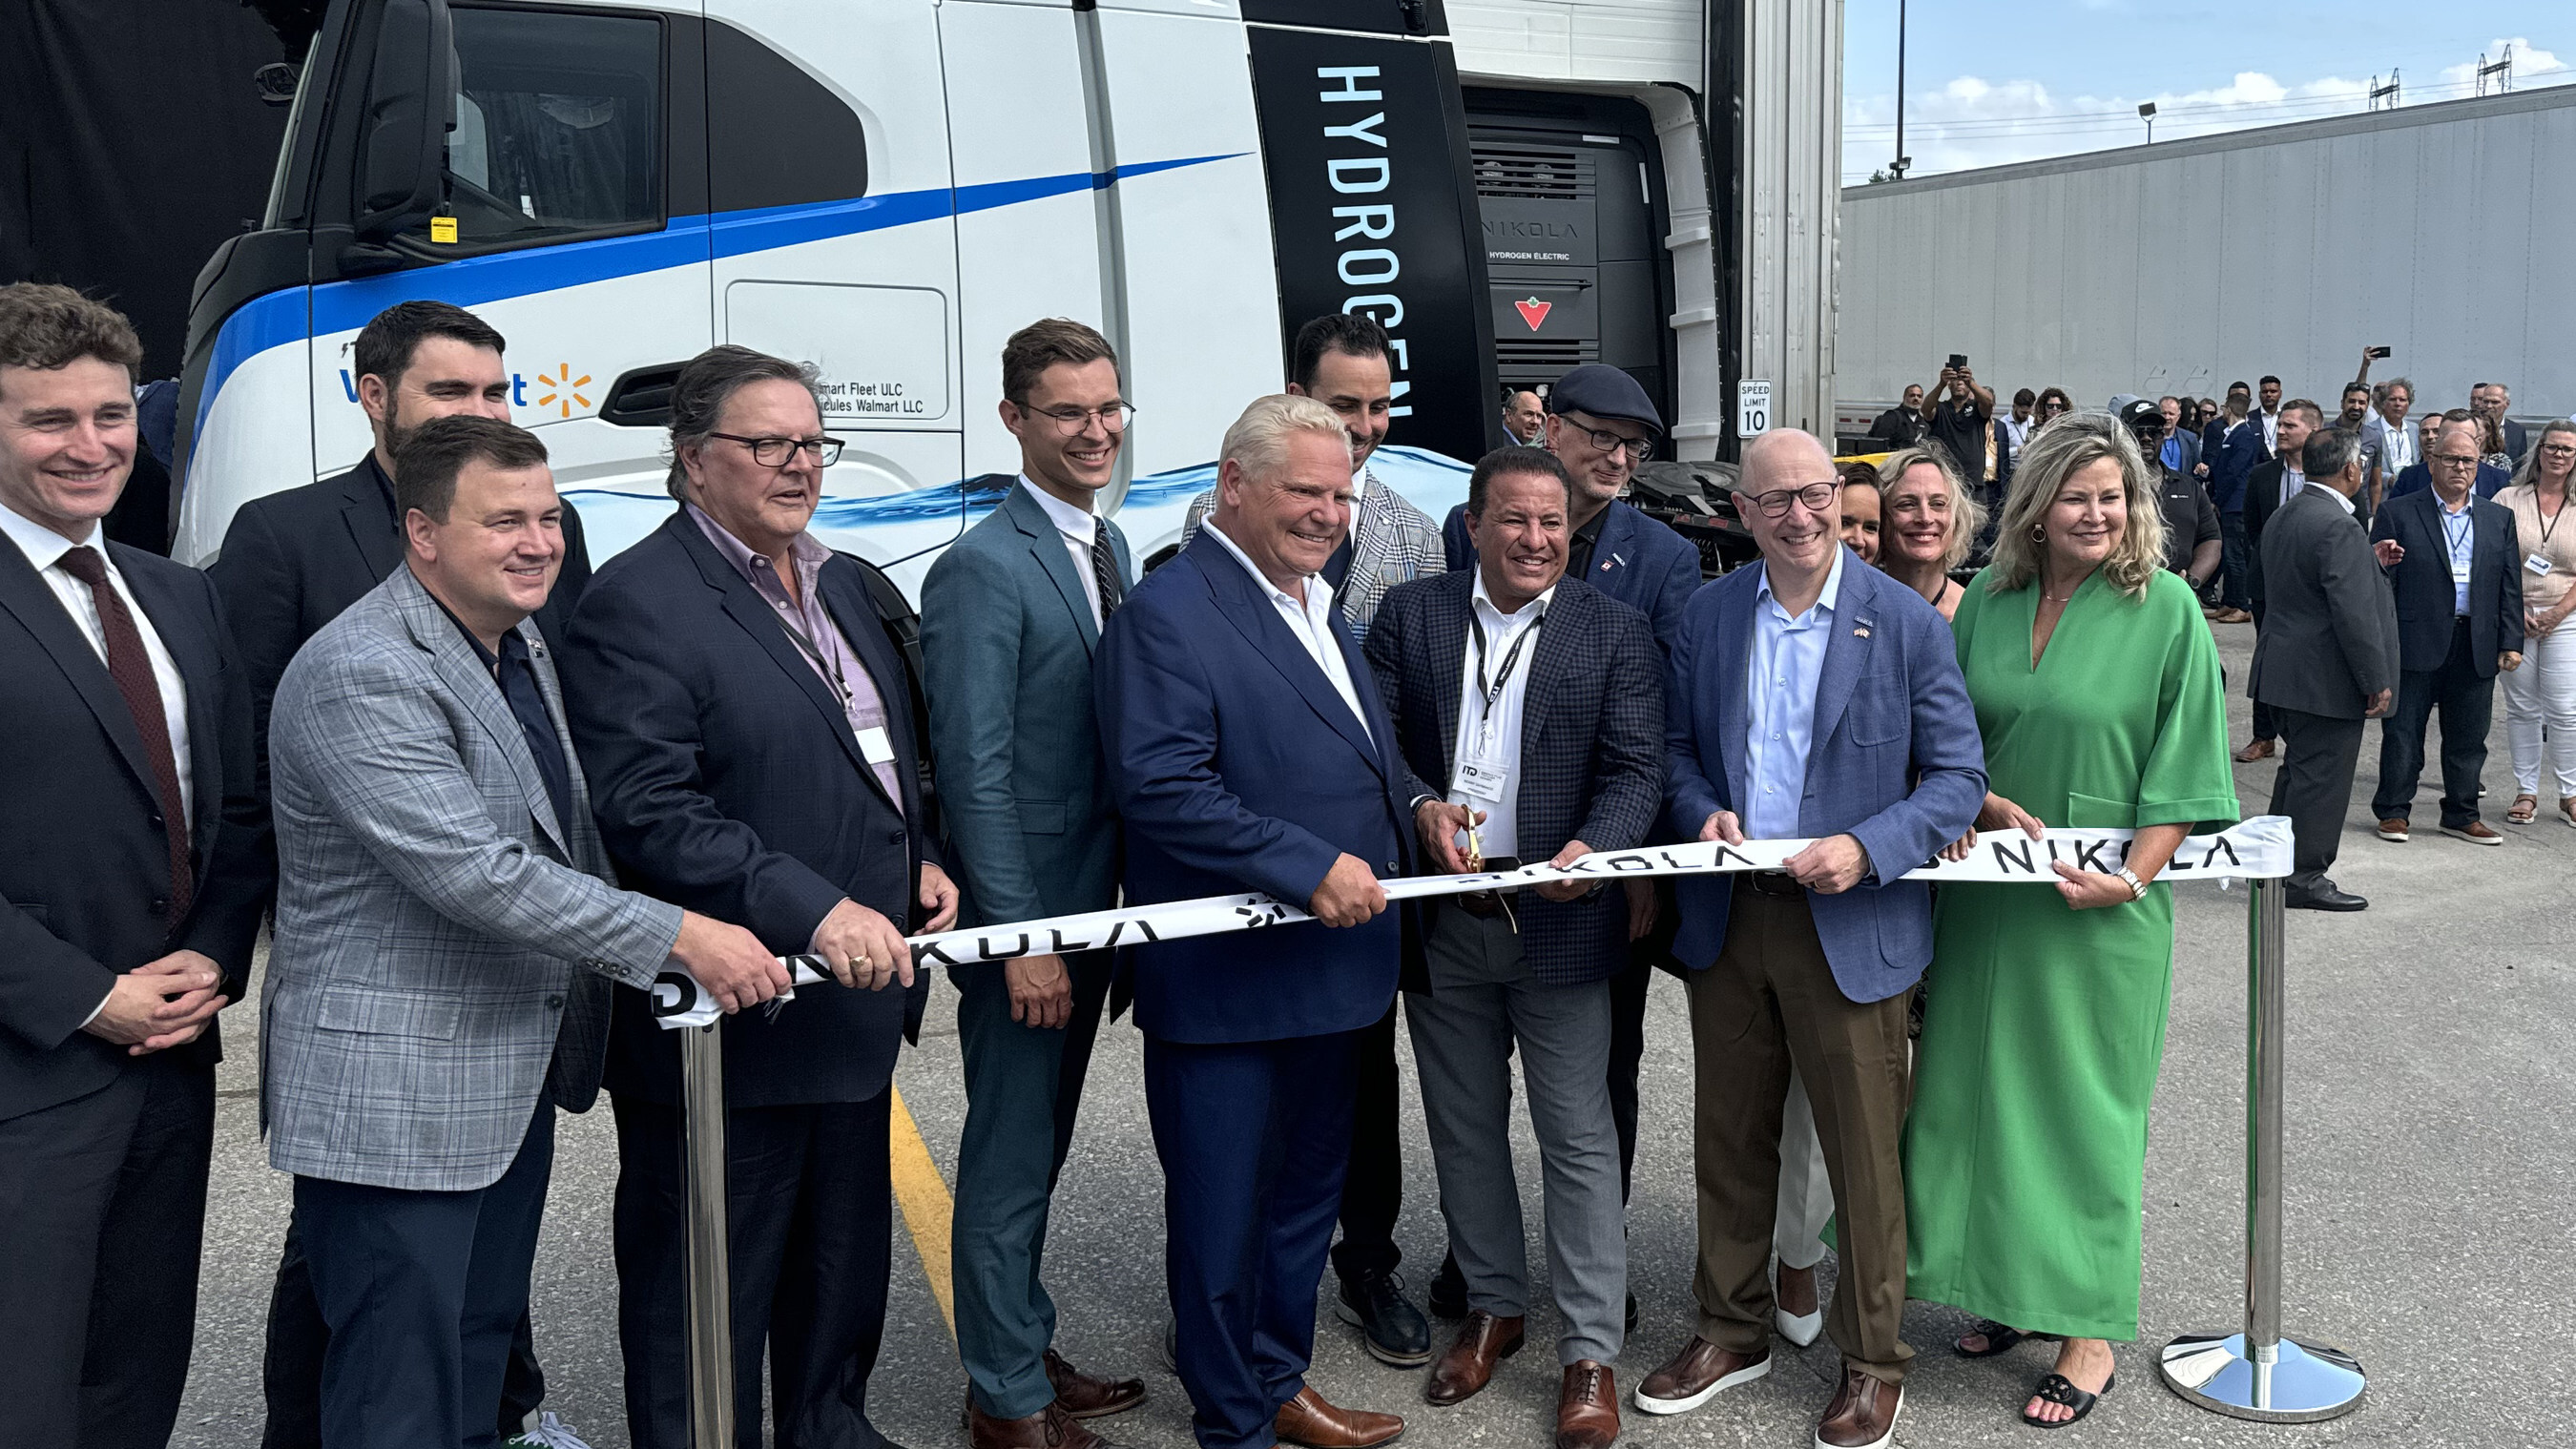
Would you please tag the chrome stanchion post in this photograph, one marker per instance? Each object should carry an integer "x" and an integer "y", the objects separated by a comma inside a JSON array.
[
  {"x": 2259, "y": 1374},
  {"x": 702, "y": 1151}
]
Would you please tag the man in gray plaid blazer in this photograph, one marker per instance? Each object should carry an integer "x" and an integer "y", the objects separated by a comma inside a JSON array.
[
  {"x": 1340, "y": 360},
  {"x": 446, "y": 936},
  {"x": 1535, "y": 701}
]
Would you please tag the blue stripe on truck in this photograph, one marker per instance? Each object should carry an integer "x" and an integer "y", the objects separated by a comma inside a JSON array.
[{"x": 279, "y": 318}]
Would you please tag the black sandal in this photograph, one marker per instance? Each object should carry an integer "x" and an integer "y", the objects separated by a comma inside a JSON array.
[
  {"x": 2056, "y": 1389},
  {"x": 2000, "y": 1338}
]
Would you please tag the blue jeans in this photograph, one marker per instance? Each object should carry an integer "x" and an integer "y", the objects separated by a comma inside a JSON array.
[{"x": 2233, "y": 561}]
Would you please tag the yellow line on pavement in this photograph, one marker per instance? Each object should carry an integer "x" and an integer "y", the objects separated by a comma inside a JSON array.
[{"x": 923, "y": 1195}]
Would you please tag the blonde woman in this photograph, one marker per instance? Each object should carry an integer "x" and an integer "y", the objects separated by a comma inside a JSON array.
[
  {"x": 2540, "y": 697},
  {"x": 2097, "y": 689},
  {"x": 1927, "y": 520}
]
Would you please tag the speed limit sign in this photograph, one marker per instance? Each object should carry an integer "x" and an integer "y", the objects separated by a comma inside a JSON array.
[{"x": 1752, "y": 407}]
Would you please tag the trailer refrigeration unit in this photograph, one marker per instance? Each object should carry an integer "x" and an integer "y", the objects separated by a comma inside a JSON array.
[{"x": 889, "y": 188}]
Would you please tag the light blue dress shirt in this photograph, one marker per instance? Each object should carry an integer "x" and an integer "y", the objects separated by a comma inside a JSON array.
[
  {"x": 1780, "y": 704},
  {"x": 2460, "y": 532}
]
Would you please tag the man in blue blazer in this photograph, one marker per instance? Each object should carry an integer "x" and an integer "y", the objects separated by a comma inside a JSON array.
[
  {"x": 1811, "y": 697},
  {"x": 1010, "y": 617},
  {"x": 747, "y": 727},
  {"x": 2458, "y": 435},
  {"x": 2457, "y": 569},
  {"x": 1248, "y": 751}
]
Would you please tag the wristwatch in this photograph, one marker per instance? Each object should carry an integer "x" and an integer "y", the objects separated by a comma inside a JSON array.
[{"x": 2137, "y": 887}]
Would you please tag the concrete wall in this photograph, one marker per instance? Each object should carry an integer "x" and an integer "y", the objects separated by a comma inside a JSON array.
[{"x": 2447, "y": 232}]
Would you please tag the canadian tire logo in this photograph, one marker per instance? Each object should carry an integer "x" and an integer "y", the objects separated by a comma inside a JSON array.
[{"x": 1534, "y": 311}]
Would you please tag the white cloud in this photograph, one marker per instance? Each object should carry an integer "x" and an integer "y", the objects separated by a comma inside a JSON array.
[{"x": 1972, "y": 121}]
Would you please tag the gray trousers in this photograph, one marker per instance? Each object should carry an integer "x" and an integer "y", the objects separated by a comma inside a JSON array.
[{"x": 1463, "y": 1040}]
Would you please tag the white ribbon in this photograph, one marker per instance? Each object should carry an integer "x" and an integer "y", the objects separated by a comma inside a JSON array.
[{"x": 2256, "y": 849}]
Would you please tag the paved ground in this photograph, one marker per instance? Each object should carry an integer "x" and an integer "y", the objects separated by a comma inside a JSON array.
[{"x": 2430, "y": 1183}]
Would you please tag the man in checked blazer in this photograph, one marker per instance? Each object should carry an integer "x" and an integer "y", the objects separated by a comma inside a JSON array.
[
  {"x": 1535, "y": 701},
  {"x": 446, "y": 935},
  {"x": 1010, "y": 617}
]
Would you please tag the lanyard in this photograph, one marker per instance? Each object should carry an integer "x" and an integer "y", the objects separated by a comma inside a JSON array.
[
  {"x": 2548, "y": 525},
  {"x": 824, "y": 664},
  {"x": 2460, "y": 536},
  {"x": 1511, "y": 657}
]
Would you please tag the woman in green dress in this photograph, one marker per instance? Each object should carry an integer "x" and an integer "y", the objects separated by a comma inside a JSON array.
[{"x": 2098, "y": 691}]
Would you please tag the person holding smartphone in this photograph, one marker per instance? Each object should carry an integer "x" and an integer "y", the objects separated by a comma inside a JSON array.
[{"x": 1963, "y": 420}]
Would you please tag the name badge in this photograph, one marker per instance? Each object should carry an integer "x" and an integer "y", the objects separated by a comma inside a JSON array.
[
  {"x": 2459, "y": 571},
  {"x": 876, "y": 746},
  {"x": 2539, "y": 566},
  {"x": 1483, "y": 778}
]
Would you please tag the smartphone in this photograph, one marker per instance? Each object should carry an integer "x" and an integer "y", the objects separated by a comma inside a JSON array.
[
  {"x": 2378, "y": 352},
  {"x": 1959, "y": 360}
]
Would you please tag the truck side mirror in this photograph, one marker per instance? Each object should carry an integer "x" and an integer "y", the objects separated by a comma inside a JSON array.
[{"x": 411, "y": 105}]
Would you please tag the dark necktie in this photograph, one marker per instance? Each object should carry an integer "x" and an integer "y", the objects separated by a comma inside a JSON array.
[
  {"x": 1104, "y": 572},
  {"x": 131, "y": 667}
]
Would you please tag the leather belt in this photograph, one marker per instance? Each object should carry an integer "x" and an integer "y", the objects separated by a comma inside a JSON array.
[
  {"x": 1773, "y": 883},
  {"x": 1488, "y": 904}
]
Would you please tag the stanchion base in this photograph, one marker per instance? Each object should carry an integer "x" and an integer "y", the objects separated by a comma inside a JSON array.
[{"x": 2305, "y": 1382}]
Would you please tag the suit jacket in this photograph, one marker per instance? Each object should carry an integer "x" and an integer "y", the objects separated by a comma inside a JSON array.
[
  {"x": 2238, "y": 450},
  {"x": 2261, "y": 494},
  {"x": 1237, "y": 767},
  {"x": 727, "y": 780},
  {"x": 1007, "y": 641},
  {"x": 2003, "y": 458},
  {"x": 293, "y": 561},
  {"x": 1637, "y": 561},
  {"x": 2418, "y": 478},
  {"x": 2516, "y": 442},
  {"x": 2422, "y": 579},
  {"x": 439, "y": 933},
  {"x": 1897, "y": 763},
  {"x": 1592, "y": 755},
  {"x": 1392, "y": 542},
  {"x": 2329, "y": 636},
  {"x": 2190, "y": 456},
  {"x": 84, "y": 864}
]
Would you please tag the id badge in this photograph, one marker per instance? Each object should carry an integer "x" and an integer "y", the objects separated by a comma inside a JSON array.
[
  {"x": 2459, "y": 571},
  {"x": 876, "y": 746},
  {"x": 2539, "y": 566},
  {"x": 1482, "y": 778}
]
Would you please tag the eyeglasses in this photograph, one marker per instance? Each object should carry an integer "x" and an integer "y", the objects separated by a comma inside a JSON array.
[
  {"x": 775, "y": 452},
  {"x": 1114, "y": 417},
  {"x": 2456, "y": 460},
  {"x": 1815, "y": 498},
  {"x": 2052, "y": 407},
  {"x": 2559, "y": 450},
  {"x": 1639, "y": 449}
]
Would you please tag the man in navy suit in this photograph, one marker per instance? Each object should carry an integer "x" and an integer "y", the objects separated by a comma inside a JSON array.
[
  {"x": 2457, "y": 569},
  {"x": 1811, "y": 697},
  {"x": 747, "y": 727},
  {"x": 1010, "y": 617},
  {"x": 2490, "y": 479},
  {"x": 1301, "y": 793},
  {"x": 134, "y": 857}
]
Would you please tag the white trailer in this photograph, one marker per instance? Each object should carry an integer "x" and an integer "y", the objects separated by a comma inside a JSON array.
[
  {"x": 888, "y": 188},
  {"x": 2442, "y": 231}
]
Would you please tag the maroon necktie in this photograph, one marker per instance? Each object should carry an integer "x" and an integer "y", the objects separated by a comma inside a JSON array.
[{"x": 131, "y": 667}]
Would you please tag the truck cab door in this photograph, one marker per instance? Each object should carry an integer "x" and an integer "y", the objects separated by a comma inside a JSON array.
[{"x": 834, "y": 243}]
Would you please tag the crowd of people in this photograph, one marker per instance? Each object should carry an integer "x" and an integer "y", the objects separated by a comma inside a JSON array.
[{"x": 486, "y": 796}]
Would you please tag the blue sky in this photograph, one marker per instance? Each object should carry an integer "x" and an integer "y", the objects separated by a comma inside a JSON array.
[{"x": 1989, "y": 82}]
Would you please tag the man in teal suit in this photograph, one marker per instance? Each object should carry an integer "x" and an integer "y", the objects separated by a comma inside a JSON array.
[{"x": 1010, "y": 616}]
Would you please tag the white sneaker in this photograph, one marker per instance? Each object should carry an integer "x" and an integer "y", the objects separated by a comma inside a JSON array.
[{"x": 548, "y": 1433}]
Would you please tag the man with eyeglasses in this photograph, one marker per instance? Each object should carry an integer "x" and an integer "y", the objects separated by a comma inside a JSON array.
[
  {"x": 2457, "y": 571},
  {"x": 296, "y": 560},
  {"x": 1811, "y": 698},
  {"x": 747, "y": 726},
  {"x": 1010, "y": 619},
  {"x": 2490, "y": 479}
]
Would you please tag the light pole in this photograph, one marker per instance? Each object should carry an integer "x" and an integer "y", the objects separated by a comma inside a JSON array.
[
  {"x": 2147, "y": 113},
  {"x": 1901, "y": 158}
]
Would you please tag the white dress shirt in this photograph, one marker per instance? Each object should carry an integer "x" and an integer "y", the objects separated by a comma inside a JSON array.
[
  {"x": 1079, "y": 526},
  {"x": 44, "y": 549},
  {"x": 2292, "y": 480},
  {"x": 1495, "y": 734},
  {"x": 2271, "y": 430},
  {"x": 1788, "y": 660},
  {"x": 1311, "y": 621}
]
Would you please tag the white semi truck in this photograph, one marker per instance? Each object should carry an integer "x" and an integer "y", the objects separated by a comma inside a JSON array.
[{"x": 888, "y": 188}]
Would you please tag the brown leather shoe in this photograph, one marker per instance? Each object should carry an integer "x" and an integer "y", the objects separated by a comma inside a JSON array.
[
  {"x": 1085, "y": 1397},
  {"x": 1587, "y": 1407},
  {"x": 1698, "y": 1374},
  {"x": 1863, "y": 1413},
  {"x": 1308, "y": 1420},
  {"x": 2257, "y": 750},
  {"x": 1469, "y": 1363},
  {"x": 1048, "y": 1428},
  {"x": 2476, "y": 832},
  {"x": 2393, "y": 829}
]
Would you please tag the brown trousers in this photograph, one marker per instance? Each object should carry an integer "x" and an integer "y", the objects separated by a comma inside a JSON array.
[{"x": 1769, "y": 1003}]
